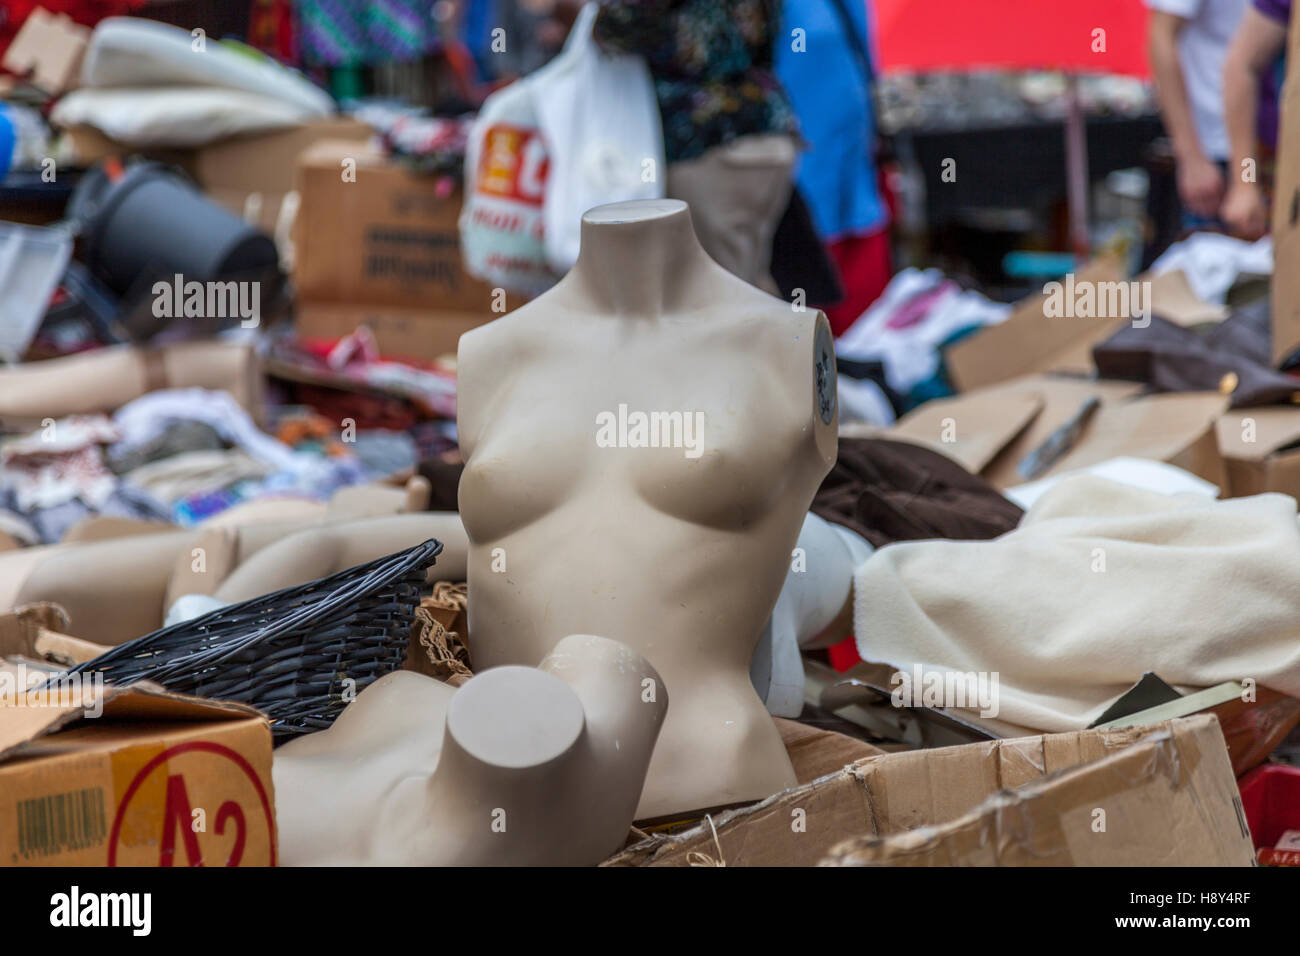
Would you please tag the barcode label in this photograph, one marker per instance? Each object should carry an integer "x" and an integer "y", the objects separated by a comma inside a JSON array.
[{"x": 61, "y": 821}]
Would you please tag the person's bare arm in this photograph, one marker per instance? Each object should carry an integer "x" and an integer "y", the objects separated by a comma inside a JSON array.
[
  {"x": 1200, "y": 184},
  {"x": 1162, "y": 46},
  {"x": 1254, "y": 47}
]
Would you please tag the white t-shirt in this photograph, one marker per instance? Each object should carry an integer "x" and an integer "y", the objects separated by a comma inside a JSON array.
[{"x": 1202, "y": 45}]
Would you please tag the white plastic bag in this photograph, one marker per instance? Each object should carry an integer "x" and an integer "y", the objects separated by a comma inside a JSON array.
[
  {"x": 582, "y": 131},
  {"x": 600, "y": 122},
  {"x": 505, "y": 178}
]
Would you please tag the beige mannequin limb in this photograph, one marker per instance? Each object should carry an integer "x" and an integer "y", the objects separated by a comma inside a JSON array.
[
  {"x": 518, "y": 766},
  {"x": 679, "y": 557},
  {"x": 354, "y": 501},
  {"x": 315, "y": 552},
  {"x": 106, "y": 379},
  {"x": 119, "y": 589}
]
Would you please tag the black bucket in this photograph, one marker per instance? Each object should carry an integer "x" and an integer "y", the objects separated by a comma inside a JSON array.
[{"x": 146, "y": 223}]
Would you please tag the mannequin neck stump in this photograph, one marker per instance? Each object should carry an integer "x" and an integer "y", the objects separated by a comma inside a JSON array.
[{"x": 640, "y": 258}]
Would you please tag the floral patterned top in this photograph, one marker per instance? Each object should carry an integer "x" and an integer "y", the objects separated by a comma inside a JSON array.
[{"x": 711, "y": 61}]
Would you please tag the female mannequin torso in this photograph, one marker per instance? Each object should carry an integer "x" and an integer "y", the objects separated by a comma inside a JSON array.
[{"x": 674, "y": 539}]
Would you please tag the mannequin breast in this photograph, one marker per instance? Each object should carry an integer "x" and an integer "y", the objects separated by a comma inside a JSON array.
[{"x": 659, "y": 538}]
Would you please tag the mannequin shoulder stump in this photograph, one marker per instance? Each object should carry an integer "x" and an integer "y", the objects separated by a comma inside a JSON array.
[{"x": 486, "y": 715}]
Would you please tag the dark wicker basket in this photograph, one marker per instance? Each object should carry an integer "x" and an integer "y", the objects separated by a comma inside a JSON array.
[{"x": 287, "y": 653}]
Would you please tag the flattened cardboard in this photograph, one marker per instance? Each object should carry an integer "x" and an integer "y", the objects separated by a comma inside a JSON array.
[
  {"x": 982, "y": 424},
  {"x": 125, "y": 788},
  {"x": 1168, "y": 793},
  {"x": 1178, "y": 428},
  {"x": 1172, "y": 299},
  {"x": 1028, "y": 341},
  {"x": 989, "y": 425}
]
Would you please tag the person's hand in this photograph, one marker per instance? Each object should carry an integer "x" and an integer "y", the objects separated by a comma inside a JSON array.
[
  {"x": 1200, "y": 186},
  {"x": 1244, "y": 211}
]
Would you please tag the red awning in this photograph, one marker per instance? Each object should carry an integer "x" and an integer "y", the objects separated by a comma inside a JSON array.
[{"x": 965, "y": 35}]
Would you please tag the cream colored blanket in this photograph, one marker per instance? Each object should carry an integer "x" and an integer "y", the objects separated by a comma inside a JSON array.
[{"x": 1099, "y": 583}]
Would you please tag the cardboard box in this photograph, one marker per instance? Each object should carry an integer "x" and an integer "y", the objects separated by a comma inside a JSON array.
[
  {"x": 49, "y": 47},
  {"x": 1261, "y": 450},
  {"x": 1167, "y": 796},
  {"x": 815, "y": 752},
  {"x": 158, "y": 779},
  {"x": 36, "y": 633},
  {"x": 389, "y": 238},
  {"x": 989, "y": 431},
  {"x": 254, "y": 175}
]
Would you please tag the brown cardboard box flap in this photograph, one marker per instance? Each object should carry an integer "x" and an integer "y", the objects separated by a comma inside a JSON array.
[
  {"x": 1168, "y": 792},
  {"x": 1252, "y": 434},
  {"x": 1172, "y": 298},
  {"x": 1049, "y": 821},
  {"x": 1028, "y": 341},
  {"x": 997, "y": 426},
  {"x": 265, "y": 162},
  {"x": 1159, "y": 427},
  {"x": 982, "y": 424},
  {"x": 36, "y": 632},
  {"x": 815, "y": 752},
  {"x": 21, "y": 726}
]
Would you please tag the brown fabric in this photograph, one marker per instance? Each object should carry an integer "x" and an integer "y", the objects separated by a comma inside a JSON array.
[
  {"x": 1234, "y": 358},
  {"x": 892, "y": 491}
]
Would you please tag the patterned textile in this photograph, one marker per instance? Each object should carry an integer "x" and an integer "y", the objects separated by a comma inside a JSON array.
[
  {"x": 351, "y": 32},
  {"x": 711, "y": 61}
]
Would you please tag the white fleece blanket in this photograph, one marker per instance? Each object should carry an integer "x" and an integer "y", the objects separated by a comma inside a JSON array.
[{"x": 1100, "y": 582}]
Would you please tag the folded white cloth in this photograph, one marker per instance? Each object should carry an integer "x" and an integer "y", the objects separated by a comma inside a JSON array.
[
  {"x": 175, "y": 117},
  {"x": 135, "y": 52},
  {"x": 1100, "y": 582},
  {"x": 1212, "y": 262},
  {"x": 1139, "y": 472}
]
